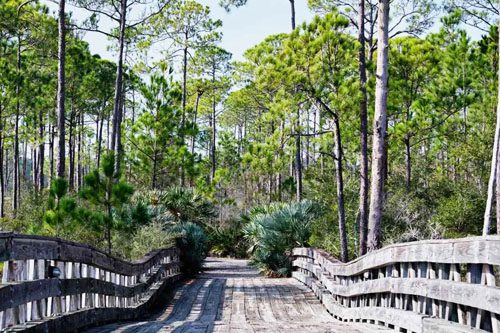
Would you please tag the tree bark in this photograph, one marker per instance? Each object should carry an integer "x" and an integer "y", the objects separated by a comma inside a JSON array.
[
  {"x": 117, "y": 111},
  {"x": 34, "y": 154},
  {"x": 184, "y": 80},
  {"x": 493, "y": 172},
  {"x": 344, "y": 255},
  {"x": 184, "y": 101},
  {"x": 80, "y": 153},
  {"x": 362, "y": 218},
  {"x": 34, "y": 165},
  {"x": 213, "y": 159},
  {"x": 41, "y": 152},
  {"x": 498, "y": 194},
  {"x": 195, "y": 116},
  {"x": 25, "y": 164},
  {"x": 379, "y": 129},
  {"x": 2, "y": 179},
  {"x": 298, "y": 153},
  {"x": 7, "y": 170},
  {"x": 308, "y": 140},
  {"x": 298, "y": 157},
  {"x": 51, "y": 151},
  {"x": 71, "y": 148},
  {"x": 61, "y": 82},
  {"x": 15, "y": 185},
  {"x": 407, "y": 143},
  {"x": 99, "y": 143}
]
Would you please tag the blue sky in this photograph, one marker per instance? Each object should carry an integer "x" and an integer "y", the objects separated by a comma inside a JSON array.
[
  {"x": 243, "y": 27},
  {"x": 246, "y": 26}
]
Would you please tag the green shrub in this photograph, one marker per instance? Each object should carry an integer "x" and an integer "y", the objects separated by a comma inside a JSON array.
[
  {"x": 275, "y": 230},
  {"x": 228, "y": 241},
  {"x": 187, "y": 205},
  {"x": 193, "y": 244},
  {"x": 442, "y": 210},
  {"x": 461, "y": 213},
  {"x": 150, "y": 237}
]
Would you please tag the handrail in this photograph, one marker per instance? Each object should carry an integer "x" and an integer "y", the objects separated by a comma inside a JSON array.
[
  {"x": 24, "y": 247},
  {"x": 426, "y": 286},
  {"x": 92, "y": 287}
]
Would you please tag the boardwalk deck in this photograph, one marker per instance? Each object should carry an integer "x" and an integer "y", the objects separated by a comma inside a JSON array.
[{"x": 230, "y": 296}]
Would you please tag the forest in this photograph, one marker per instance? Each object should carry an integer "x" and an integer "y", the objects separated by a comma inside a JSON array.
[{"x": 375, "y": 122}]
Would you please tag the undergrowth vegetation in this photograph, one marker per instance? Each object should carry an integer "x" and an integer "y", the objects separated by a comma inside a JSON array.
[{"x": 274, "y": 230}]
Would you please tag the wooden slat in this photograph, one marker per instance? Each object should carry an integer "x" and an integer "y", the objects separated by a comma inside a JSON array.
[
  {"x": 425, "y": 278},
  {"x": 472, "y": 250},
  {"x": 24, "y": 247}
]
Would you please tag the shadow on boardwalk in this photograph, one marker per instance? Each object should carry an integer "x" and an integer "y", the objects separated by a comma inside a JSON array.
[
  {"x": 195, "y": 309},
  {"x": 230, "y": 296},
  {"x": 195, "y": 306}
]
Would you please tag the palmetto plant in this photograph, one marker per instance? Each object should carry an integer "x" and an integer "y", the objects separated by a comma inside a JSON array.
[
  {"x": 193, "y": 245},
  {"x": 185, "y": 205},
  {"x": 275, "y": 230},
  {"x": 228, "y": 240}
]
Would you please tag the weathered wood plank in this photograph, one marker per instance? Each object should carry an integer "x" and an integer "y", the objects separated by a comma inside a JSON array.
[
  {"x": 14, "y": 293},
  {"x": 25, "y": 247},
  {"x": 228, "y": 280},
  {"x": 472, "y": 250},
  {"x": 442, "y": 278}
]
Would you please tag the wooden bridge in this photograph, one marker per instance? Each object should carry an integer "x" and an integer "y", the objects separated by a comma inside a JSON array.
[{"x": 51, "y": 285}]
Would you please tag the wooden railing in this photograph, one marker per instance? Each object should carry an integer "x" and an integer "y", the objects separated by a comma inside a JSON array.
[
  {"x": 427, "y": 286},
  {"x": 52, "y": 285}
]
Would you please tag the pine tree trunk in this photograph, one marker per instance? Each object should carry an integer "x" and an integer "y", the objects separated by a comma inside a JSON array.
[
  {"x": 379, "y": 130},
  {"x": 498, "y": 194},
  {"x": 99, "y": 143},
  {"x": 298, "y": 152},
  {"x": 195, "y": 118},
  {"x": 155, "y": 170},
  {"x": 493, "y": 173},
  {"x": 80, "y": 154},
  {"x": 51, "y": 151},
  {"x": 15, "y": 185},
  {"x": 34, "y": 154},
  {"x": 184, "y": 102},
  {"x": 2, "y": 176},
  {"x": 7, "y": 171},
  {"x": 117, "y": 111},
  {"x": 34, "y": 166},
  {"x": 407, "y": 143},
  {"x": 213, "y": 158},
  {"x": 108, "y": 133},
  {"x": 344, "y": 255},
  {"x": 41, "y": 152},
  {"x": 298, "y": 157},
  {"x": 61, "y": 83},
  {"x": 362, "y": 218},
  {"x": 25, "y": 163},
  {"x": 308, "y": 139},
  {"x": 71, "y": 148}
]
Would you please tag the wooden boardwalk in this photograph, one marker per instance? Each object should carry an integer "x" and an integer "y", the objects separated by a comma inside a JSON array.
[{"x": 231, "y": 296}]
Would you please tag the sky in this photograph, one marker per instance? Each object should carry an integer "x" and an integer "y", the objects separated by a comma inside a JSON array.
[{"x": 242, "y": 28}]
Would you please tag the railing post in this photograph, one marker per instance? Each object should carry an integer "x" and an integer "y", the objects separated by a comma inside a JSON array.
[{"x": 8, "y": 276}]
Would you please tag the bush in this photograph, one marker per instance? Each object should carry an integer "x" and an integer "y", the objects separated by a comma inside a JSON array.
[
  {"x": 187, "y": 205},
  {"x": 274, "y": 231},
  {"x": 145, "y": 239},
  {"x": 228, "y": 241},
  {"x": 193, "y": 244},
  {"x": 443, "y": 210},
  {"x": 461, "y": 213}
]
